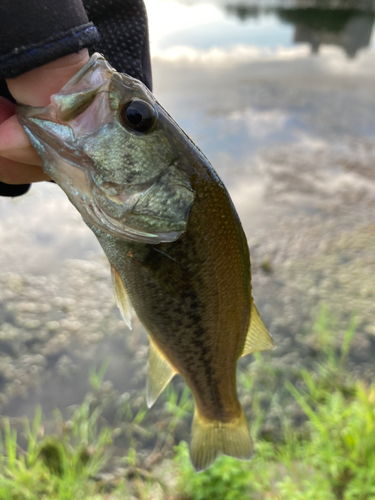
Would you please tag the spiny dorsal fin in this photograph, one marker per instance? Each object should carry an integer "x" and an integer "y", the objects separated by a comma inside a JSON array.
[
  {"x": 160, "y": 372},
  {"x": 122, "y": 298},
  {"x": 258, "y": 337}
]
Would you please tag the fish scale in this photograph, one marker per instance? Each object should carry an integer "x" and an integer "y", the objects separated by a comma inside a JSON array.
[{"x": 207, "y": 343}]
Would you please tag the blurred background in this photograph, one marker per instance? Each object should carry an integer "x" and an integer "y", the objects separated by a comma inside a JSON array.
[{"x": 280, "y": 97}]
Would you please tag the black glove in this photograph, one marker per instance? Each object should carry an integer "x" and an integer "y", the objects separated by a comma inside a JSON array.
[{"x": 34, "y": 33}]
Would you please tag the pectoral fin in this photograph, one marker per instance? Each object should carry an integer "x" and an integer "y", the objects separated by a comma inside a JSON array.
[
  {"x": 122, "y": 298},
  {"x": 160, "y": 372},
  {"x": 258, "y": 337}
]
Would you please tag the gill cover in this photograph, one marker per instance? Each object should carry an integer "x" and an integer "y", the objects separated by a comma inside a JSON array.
[{"x": 112, "y": 148}]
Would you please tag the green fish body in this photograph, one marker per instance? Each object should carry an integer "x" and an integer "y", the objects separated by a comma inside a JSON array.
[{"x": 173, "y": 238}]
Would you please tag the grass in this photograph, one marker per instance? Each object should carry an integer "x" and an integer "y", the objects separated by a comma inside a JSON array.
[
  {"x": 334, "y": 459},
  {"x": 329, "y": 455},
  {"x": 60, "y": 466}
]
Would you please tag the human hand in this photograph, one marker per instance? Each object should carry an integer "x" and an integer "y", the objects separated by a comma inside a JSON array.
[{"x": 19, "y": 162}]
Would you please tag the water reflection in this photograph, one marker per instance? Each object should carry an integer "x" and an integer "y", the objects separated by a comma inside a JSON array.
[
  {"x": 244, "y": 12},
  {"x": 192, "y": 27},
  {"x": 293, "y": 138},
  {"x": 348, "y": 28}
]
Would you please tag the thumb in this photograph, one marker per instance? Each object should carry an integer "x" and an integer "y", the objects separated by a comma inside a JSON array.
[
  {"x": 18, "y": 159},
  {"x": 36, "y": 86}
]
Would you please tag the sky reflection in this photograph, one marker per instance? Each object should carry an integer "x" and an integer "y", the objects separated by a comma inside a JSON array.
[
  {"x": 241, "y": 90},
  {"x": 175, "y": 26},
  {"x": 204, "y": 26},
  {"x": 291, "y": 134}
]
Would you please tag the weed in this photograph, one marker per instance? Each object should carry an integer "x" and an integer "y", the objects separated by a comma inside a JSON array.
[
  {"x": 54, "y": 467},
  {"x": 331, "y": 456}
]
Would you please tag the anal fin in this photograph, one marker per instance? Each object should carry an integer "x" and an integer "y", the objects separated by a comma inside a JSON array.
[
  {"x": 258, "y": 338},
  {"x": 122, "y": 298},
  {"x": 160, "y": 372}
]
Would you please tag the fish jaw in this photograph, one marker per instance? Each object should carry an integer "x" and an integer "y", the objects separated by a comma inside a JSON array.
[{"x": 122, "y": 182}]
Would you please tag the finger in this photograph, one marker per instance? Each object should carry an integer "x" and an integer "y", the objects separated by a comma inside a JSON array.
[
  {"x": 15, "y": 145},
  {"x": 13, "y": 172},
  {"x": 7, "y": 109},
  {"x": 12, "y": 135},
  {"x": 27, "y": 88},
  {"x": 26, "y": 155}
]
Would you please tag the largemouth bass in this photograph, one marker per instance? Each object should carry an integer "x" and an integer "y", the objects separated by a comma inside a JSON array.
[{"x": 172, "y": 236}]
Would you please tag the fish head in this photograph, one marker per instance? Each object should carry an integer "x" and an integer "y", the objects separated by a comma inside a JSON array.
[{"x": 116, "y": 153}]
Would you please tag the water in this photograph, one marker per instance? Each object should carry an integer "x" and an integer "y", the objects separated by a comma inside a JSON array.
[{"x": 282, "y": 103}]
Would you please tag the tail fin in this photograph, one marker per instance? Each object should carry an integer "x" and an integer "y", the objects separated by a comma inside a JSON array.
[{"x": 211, "y": 438}]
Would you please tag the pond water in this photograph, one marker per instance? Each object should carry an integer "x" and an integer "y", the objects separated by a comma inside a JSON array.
[{"x": 282, "y": 102}]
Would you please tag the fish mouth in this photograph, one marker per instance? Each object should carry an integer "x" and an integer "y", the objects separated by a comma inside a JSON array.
[
  {"x": 153, "y": 208},
  {"x": 71, "y": 170}
]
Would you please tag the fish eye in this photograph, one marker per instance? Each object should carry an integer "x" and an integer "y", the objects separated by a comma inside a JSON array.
[{"x": 138, "y": 115}]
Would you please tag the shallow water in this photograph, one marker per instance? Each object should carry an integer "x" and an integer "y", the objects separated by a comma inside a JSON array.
[{"x": 290, "y": 132}]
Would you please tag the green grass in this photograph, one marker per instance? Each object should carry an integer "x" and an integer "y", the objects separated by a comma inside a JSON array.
[
  {"x": 332, "y": 457},
  {"x": 60, "y": 466},
  {"x": 330, "y": 454}
]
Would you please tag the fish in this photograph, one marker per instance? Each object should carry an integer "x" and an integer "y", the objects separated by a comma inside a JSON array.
[{"x": 176, "y": 247}]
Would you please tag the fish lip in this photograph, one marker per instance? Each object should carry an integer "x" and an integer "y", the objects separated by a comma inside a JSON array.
[{"x": 43, "y": 141}]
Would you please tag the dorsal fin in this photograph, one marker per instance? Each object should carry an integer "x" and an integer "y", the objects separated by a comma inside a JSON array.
[
  {"x": 160, "y": 372},
  {"x": 258, "y": 337},
  {"x": 122, "y": 298}
]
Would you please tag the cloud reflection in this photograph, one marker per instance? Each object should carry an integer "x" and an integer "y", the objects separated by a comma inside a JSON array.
[
  {"x": 219, "y": 56},
  {"x": 258, "y": 124},
  {"x": 167, "y": 18},
  {"x": 331, "y": 60},
  {"x": 196, "y": 29}
]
